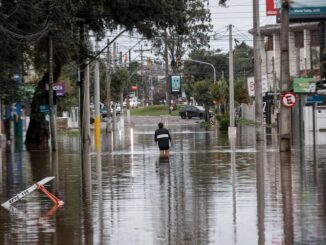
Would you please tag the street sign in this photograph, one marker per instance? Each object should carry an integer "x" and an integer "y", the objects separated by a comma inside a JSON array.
[
  {"x": 304, "y": 85},
  {"x": 251, "y": 85},
  {"x": 316, "y": 99},
  {"x": 59, "y": 88},
  {"x": 288, "y": 99},
  {"x": 29, "y": 190},
  {"x": 134, "y": 87},
  {"x": 44, "y": 108}
]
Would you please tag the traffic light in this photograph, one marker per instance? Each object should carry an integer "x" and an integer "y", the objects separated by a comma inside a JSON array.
[{"x": 179, "y": 64}]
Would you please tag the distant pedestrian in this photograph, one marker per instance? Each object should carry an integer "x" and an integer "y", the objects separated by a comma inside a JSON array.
[{"x": 163, "y": 139}]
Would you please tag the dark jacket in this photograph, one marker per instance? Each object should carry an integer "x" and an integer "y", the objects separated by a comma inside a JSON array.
[{"x": 162, "y": 137}]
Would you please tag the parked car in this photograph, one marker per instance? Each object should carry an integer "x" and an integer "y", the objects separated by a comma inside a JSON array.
[
  {"x": 134, "y": 103},
  {"x": 190, "y": 111},
  {"x": 117, "y": 109}
]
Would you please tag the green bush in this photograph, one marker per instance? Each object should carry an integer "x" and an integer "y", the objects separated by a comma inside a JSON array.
[{"x": 224, "y": 122}]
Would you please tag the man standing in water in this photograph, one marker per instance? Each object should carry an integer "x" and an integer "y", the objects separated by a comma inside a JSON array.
[{"x": 163, "y": 139}]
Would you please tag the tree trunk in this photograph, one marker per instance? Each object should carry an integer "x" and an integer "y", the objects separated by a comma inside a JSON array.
[{"x": 38, "y": 131}]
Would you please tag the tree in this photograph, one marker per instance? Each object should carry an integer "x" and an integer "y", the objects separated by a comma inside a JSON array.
[
  {"x": 202, "y": 94},
  {"x": 119, "y": 78},
  {"x": 197, "y": 18},
  {"x": 25, "y": 26}
]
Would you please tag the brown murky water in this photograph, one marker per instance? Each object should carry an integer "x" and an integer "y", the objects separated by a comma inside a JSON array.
[{"x": 210, "y": 191}]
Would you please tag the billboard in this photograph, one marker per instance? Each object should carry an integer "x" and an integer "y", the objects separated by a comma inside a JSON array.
[
  {"x": 304, "y": 85},
  {"x": 271, "y": 8},
  {"x": 175, "y": 84},
  {"x": 303, "y": 10}
]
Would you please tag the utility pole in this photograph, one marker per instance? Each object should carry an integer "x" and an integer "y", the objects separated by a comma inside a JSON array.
[
  {"x": 231, "y": 78},
  {"x": 141, "y": 50},
  {"x": 114, "y": 115},
  {"x": 322, "y": 50},
  {"x": 52, "y": 110},
  {"x": 285, "y": 114},
  {"x": 108, "y": 88},
  {"x": 86, "y": 112},
  {"x": 257, "y": 73},
  {"x": 166, "y": 57},
  {"x": 97, "y": 115},
  {"x": 81, "y": 72},
  {"x": 274, "y": 84}
]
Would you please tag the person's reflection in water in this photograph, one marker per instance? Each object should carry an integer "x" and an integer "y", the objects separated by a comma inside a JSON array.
[{"x": 163, "y": 164}]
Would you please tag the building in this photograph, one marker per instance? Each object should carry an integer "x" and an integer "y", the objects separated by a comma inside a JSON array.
[{"x": 304, "y": 51}]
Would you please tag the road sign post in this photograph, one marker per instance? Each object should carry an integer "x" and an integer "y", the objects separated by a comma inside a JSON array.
[{"x": 38, "y": 185}]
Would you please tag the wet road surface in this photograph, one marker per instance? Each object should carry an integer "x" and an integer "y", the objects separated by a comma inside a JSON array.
[{"x": 210, "y": 191}]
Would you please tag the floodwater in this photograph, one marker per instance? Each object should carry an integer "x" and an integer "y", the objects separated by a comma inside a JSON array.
[{"x": 210, "y": 191}]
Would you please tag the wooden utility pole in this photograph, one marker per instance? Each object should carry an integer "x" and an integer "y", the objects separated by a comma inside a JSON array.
[
  {"x": 231, "y": 78},
  {"x": 285, "y": 114},
  {"x": 257, "y": 73},
  {"x": 52, "y": 110}
]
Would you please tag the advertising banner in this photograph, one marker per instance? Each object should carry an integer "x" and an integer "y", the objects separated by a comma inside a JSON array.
[
  {"x": 175, "y": 84},
  {"x": 59, "y": 88},
  {"x": 271, "y": 8},
  {"x": 304, "y": 85},
  {"x": 303, "y": 10}
]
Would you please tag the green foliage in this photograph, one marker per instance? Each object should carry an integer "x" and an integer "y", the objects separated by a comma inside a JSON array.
[
  {"x": 241, "y": 91},
  {"x": 206, "y": 125},
  {"x": 202, "y": 92},
  {"x": 119, "y": 77},
  {"x": 196, "y": 18},
  {"x": 224, "y": 122}
]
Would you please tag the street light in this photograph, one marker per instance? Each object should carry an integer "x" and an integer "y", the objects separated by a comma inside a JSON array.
[{"x": 205, "y": 63}]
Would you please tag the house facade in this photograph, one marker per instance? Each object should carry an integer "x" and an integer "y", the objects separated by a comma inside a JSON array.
[{"x": 304, "y": 51}]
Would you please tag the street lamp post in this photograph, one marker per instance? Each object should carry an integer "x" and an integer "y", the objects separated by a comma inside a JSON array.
[{"x": 205, "y": 63}]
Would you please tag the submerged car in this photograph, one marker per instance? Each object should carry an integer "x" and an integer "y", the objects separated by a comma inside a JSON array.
[{"x": 190, "y": 111}]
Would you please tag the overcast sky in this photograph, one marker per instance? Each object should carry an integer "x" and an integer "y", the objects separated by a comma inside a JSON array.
[{"x": 239, "y": 13}]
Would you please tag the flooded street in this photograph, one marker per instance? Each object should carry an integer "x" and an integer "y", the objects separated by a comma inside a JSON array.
[{"x": 210, "y": 191}]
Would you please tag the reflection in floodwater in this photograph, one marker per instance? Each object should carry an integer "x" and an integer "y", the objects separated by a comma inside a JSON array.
[
  {"x": 260, "y": 186},
  {"x": 286, "y": 182},
  {"x": 209, "y": 191}
]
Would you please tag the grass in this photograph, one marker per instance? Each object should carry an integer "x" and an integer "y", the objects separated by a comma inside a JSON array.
[
  {"x": 154, "y": 110},
  {"x": 72, "y": 133}
]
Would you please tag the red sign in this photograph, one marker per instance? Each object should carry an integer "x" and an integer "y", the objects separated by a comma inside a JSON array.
[
  {"x": 271, "y": 9},
  {"x": 288, "y": 99},
  {"x": 134, "y": 87}
]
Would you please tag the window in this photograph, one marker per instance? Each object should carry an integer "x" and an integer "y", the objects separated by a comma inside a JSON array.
[
  {"x": 314, "y": 35},
  {"x": 298, "y": 39},
  {"x": 269, "y": 43}
]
